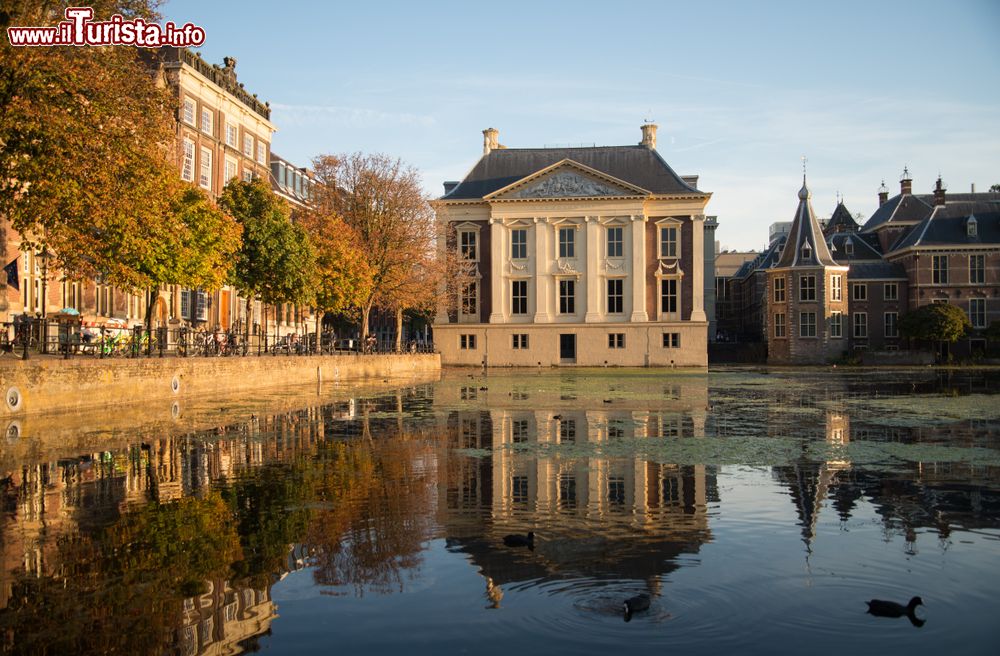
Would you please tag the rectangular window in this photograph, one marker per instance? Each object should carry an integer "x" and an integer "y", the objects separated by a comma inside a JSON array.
[
  {"x": 779, "y": 290},
  {"x": 616, "y": 296},
  {"x": 567, "y": 242},
  {"x": 520, "y": 341},
  {"x": 977, "y": 312},
  {"x": 779, "y": 324},
  {"x": 668, "y": 296},
  {"x": 248, "y": 145},
  {"x": 470, "y": 299},
  {"x": 890, "y": 291},
  {"x": 231, "y": 169},
  {"x": 467, "y": 342},
  {"x": 247, "y": 175},
  {"x": 205, "y": 179},
  {"x": 187, "y": 169},
  {"x": 859, "y": 291},
  {"x": 519, "y": 244},
  {"x": 860, "y": 325},
  {"x": 519, "y": 297},
  {"x": 836, "y": 325},
  {"x": 614, "y": 241},
  {"x": 668, "y": 241},
  {"x": 206, "y": 120},
  {"x": 467, "y": 245},
  {"x": 807, "y": 324},
  {"x": 890, "y": 324},
  {"x": 671, "y": 340},
  {"x": 616, "y": 340},
  {"x": 977, "y": 269},
  {"x": 567, "y": 296},
  {"x": 187, "y": 112},
  {"x": 807, "y": 288},
  {"x": 836, "y": 287},
  {"x": 939, "y": 269},
  {"x": 232, "y": 135},
  {"x": 261, "y": 152}
]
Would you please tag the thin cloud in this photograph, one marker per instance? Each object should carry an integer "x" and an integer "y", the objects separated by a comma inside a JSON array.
[{"x": 350, "y": 116}]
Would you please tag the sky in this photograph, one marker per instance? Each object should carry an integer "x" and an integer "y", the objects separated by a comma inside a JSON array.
[{"x": 741, "y": 91}]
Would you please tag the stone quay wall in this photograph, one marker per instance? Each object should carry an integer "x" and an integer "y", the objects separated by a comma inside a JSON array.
[{"x": 47, "y": 384}]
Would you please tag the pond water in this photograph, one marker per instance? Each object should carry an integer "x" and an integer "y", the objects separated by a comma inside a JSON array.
[{"x": 758, "y": 509}]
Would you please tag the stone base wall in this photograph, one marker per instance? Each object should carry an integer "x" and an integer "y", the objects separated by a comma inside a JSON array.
[
  {"x": 48, "y": 384},
  {"x": 643, "y": 345}
]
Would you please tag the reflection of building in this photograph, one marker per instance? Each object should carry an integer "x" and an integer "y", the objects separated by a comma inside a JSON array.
[
  {"x": 221, "y": 619},
  {"x": 556, "y": 470},
  {"x": 583, "y": 256}
]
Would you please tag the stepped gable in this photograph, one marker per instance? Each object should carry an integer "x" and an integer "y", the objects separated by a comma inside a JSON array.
[
  {"x": 636, "y": 165},
  {"x": 806, "y": 245}
]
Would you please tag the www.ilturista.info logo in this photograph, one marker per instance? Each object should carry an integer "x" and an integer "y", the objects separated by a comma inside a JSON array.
[{"x": 79, "y": 30}]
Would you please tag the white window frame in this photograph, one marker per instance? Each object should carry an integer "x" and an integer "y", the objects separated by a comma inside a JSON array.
[
  {"x": 566, "y": 242},
  {"x": 859, "y": 291},
  {"x": 468, "y": 239},
  {"x": 890, "y": 291},
  {"x": 615, "y": 303},
  {"x": 893, "y": 324},
  {"x": 668, "y": 314},
  {"x": 261, "y": 152},
  {"x": 615, "y": 248},
  {"x": 469, "y": 298},
  {"x": 188, "y": 110},
  {"x": 517, "y": 299},
  {"x": 811, "y": 288},
  {"x": 779, "y": 325},
  {"x": 807, "y": 325},
  {"x": 977, "y": 275},
  {"x": 232, "y": 135},
  {"x": 668, "y": 242},
  {"x": 247, "y": 175},
  {"x": 939, "y": 269},
  {"x": 248, "y": 145},
  {"x": 836, "y": 324},
  {"x": 519, "y": 244},
  {"x": 187, "y": 164},
  {"x": 207, "y": 123},
  {"x": 836, "y": 287},
  {"x": 232, "y": 169},
  {"x": 566, "y": 302},
  {"x": 205, "y": 169},
  {"x": 975, "y": 314},
  {"x": 779, "y": 289},
  {"x": 860, "y": 325}
]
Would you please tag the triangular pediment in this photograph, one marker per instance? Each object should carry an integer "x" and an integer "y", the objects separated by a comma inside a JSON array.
[{"x": 567, "y": 179}]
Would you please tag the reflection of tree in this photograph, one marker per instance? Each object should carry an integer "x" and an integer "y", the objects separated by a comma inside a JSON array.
[
  {"x": 374, "y": 514},
  {"x": 121, "y": 590}
]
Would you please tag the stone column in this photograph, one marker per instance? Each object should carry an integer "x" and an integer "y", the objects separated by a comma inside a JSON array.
[
  {"x": 542, "y": 260},
  {"x": 639, "y": 269},
  {"x": 497, "y": 282},
  {"x": 698, "y": 268},
  {"x": 593, "y": 241}
]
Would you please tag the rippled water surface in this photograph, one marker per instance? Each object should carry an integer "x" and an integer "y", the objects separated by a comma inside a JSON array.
[{"x": 758, "y": 509}]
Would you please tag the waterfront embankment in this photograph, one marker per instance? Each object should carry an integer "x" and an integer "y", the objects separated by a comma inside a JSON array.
[{"x": 45, "y": 385}]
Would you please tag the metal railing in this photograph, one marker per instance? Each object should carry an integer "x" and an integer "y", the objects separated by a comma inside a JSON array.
[{"x": 29, "y": 336}]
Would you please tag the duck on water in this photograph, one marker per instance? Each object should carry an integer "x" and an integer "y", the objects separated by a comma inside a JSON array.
[{"x": 882, "y": 608}]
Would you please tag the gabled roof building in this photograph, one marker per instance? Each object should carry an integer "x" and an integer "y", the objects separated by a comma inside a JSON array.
[{"x": 575, "y": 256}]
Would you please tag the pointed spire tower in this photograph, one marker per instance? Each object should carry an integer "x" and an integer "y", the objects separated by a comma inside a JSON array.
[{"x": 806, "y": 294}]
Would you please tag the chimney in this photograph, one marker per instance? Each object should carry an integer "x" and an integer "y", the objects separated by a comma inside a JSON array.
[
  {"x": 648, "y": 135},
  {"x": 883, "y": 195},
  {"x": 939, "y": 190},
  {"x": 491, "y": 140},
  {"x": 973, "y": 187},
  {"x": 906, "y": 182},
  {"x": 449, "y": 186}
]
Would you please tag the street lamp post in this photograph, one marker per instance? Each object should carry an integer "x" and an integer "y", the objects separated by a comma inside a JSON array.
[{"x": 43, "y": 327}]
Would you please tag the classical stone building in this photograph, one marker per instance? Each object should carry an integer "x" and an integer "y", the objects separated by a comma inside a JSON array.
[{"x": 577, "y": 256}]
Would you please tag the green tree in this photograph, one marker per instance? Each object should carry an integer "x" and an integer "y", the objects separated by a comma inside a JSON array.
[
  {"x": 941, "y": 323},
  {"x": 275, "y": 263},
  {"x": 86, "y": 145},
  {"x": 995, "y": 188}
]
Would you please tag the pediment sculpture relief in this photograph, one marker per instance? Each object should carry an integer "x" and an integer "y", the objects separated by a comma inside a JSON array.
[{"x": 566, "y": 184}]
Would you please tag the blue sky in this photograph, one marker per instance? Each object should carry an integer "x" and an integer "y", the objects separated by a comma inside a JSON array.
[{"x": 740, "y": 90}]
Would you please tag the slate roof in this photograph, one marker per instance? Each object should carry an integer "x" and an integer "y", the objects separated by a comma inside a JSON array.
[
  {"x": 862, "y": 247},
  {"x": 947, "y": 225},
  {"x": 901, "y": 209},
  {"x": 881, "y": 270},
  {"x": 841, "y": 221},
  {"x": 765, "y": 260},
  {"x": 638, "y": 165},
  {"x": 805, "y": 230}
]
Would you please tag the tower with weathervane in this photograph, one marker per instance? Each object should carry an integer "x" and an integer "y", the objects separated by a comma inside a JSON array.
[{"x": 806, "y": 297}]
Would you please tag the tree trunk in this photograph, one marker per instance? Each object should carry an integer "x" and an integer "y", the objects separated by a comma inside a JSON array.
[
  {"x": 365, "y": 312},
  {"x": 399, "y": 330}
]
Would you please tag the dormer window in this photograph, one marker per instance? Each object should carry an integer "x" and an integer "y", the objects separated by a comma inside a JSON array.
[
  {"x": 972, "y": 226},
  {"x": 849, "y": 247},
  {"x": 806, "y": 251}
]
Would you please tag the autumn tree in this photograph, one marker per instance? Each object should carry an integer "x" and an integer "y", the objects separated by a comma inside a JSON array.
[
  {"x": 342, "y": 277},
  {"x": 381, "y": 200},
  {"x": 86, "y": 144},
  {"x": 938, "y": 322},
  {"x": 275, "y": 263}
]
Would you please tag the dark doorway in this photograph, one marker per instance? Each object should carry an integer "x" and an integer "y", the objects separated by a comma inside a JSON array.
[{"x": 567, "y": 348}]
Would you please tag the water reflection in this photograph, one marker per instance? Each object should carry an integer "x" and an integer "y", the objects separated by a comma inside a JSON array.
[{"x": 174, "y": 539}]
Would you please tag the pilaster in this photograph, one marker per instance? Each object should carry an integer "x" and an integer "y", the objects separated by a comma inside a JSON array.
[
  {"x": 541, "y": 271},
  {"x": 442, "y": 308},
  {"x": 497, "y": 282},
  {"x": 639, "y": 269},
  {"x": 698, "y": 268},
  {"x": 593, "y": 236}
]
